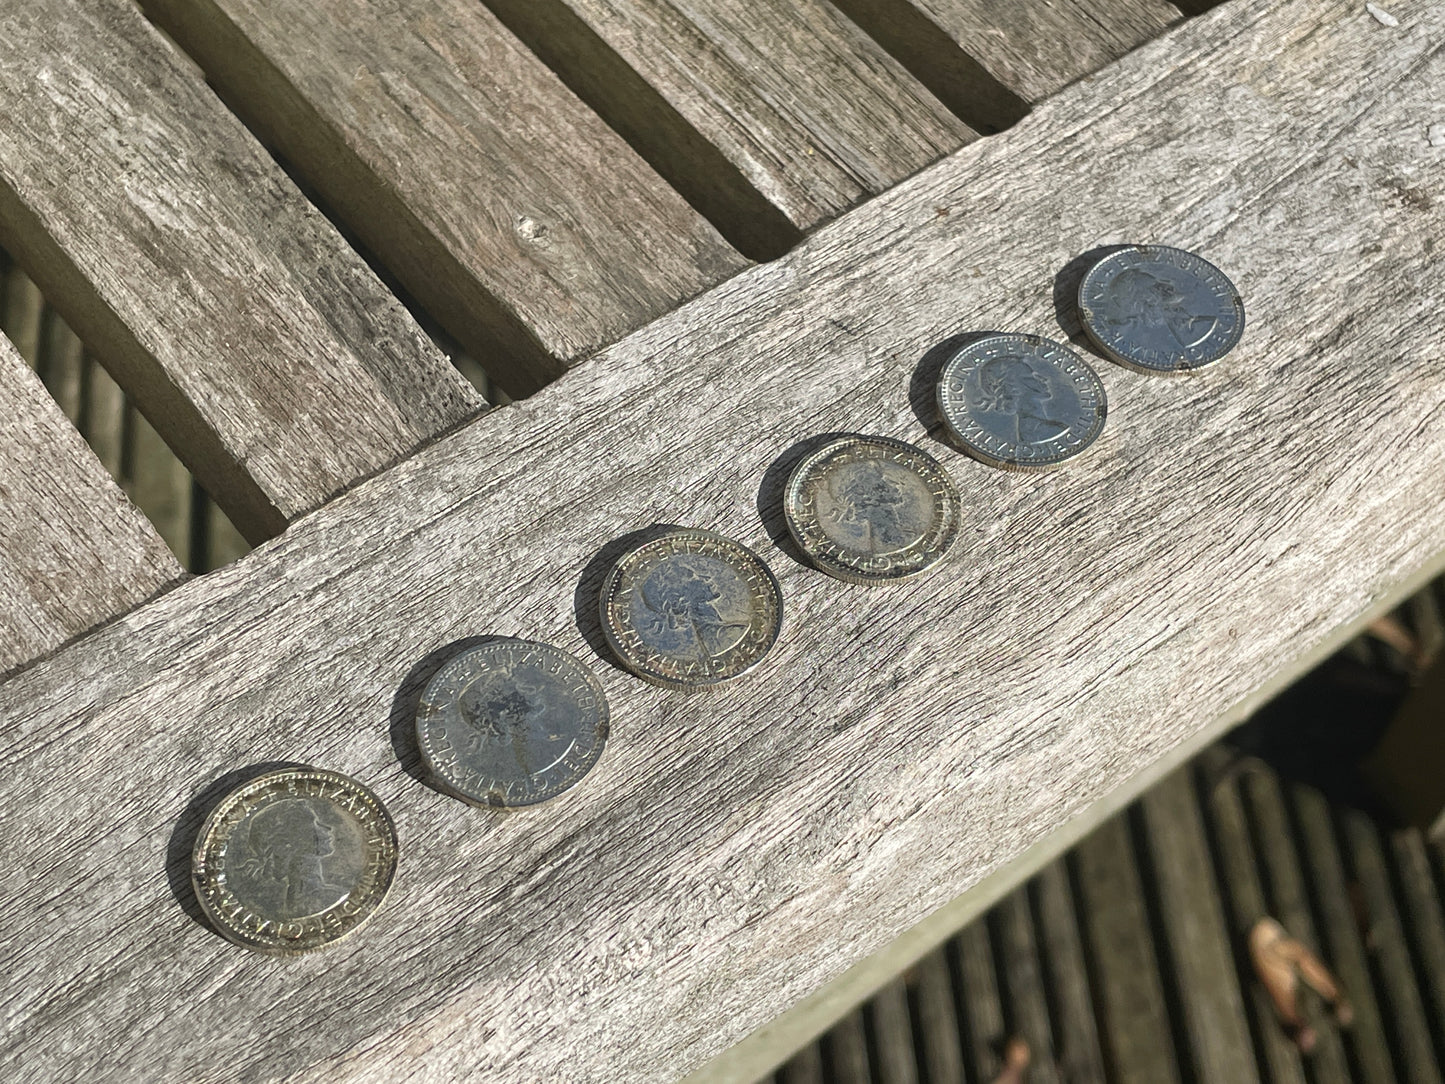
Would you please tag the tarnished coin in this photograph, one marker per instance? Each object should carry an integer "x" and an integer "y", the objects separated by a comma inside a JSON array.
[
  {"x": 1020, "y": 402},
  {"x": 871, "y": 509},
  {"x": 511, "y": 723},
  {"x": 294, "y": 860},
  {"x": 1160, "y": 310},
  {"x": 691, "y": 609}
]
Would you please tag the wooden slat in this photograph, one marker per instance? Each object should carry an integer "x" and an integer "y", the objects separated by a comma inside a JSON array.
[
  {"x": 1247, "y": 905},
  {"x": 845, "y": 1051},
  {"x": 731, "y": 854},
  {"x": 21, "y": 310},
  {"x": 1129, "y": 995},
  {"x": 1067, "y": 985},
  {"x": 1425, "y": 919},
  {"x": 989, "y": 60},
  {"x": 73, "y": 552},
  {"x": 157, "y": 482},
  {"x": 62, "y": 364},
  {"x": 935, "y": 1019},
  {"x": 1022, "y": 979},
  {"x": 981, "y": 1012},
  {"x": 760, "y": 110},
  {"x": 506, "y": 207},
  {"x": 1198, "y": 944},
  {"x": 1341, "y": 940},
  {"x": 892, "y": 1034},
  {"x": 1289, "y": 905},
  {"x": 197, "y": 532},
  {"x": 1403, "y": 1010},
  {"x": 234, "y": 315},
  {"x": 805, "y": 1068}
]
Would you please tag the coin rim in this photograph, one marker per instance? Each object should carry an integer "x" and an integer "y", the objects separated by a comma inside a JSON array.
[
  {"x": 271, "y": 946},
  {"x": 636, "y": 666},
  {"x": 602, "y": 727},
  {"x": 1139, "y": 367},
  {"x": 1033, "y": 466},
  {"x": 837, "y": 569}
]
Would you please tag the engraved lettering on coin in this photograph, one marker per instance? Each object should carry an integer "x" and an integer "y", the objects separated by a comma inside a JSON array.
[
  {"x": 871, "y": 509},
  {"x": 1020, "y": 402},
  {"x": 690, "y": 609},
  {"x": 1158, "y": 309},
  {"x": 511, "y": 723},
  {"x": 294, "y": 860}
]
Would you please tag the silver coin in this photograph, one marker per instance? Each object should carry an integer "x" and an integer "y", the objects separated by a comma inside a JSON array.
[
  {"x": 1157, "y": 309},
  {"x": 691, "y": 609},
  {"x": 511, "y": 723},
  {"x": 1020, "y": 402},
  {"x": 294, "y": 860},
  {"x": 870, "y": 509}
]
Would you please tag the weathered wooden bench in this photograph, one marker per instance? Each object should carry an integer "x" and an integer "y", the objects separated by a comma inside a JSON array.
[{"x": 743, "y": 865}]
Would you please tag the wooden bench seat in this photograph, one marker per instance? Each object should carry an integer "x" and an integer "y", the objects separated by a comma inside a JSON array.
[
  {"x": 258, "y": 343},
  {"x": 737, "y": 862},
  {"x": 74, "y": 552}
]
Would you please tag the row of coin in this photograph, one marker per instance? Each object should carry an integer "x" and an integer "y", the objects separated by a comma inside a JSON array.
[{"x": 298, "y": 858}]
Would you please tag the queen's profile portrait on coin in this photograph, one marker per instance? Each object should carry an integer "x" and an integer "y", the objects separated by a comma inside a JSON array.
[
  {"x": 1157, "y": 309},
  {"x": 1019, "y": 388},
  {"x": 1020, "y": 402},
  {"x": 870, "y": 509},
  {"x": 689, "y": 609},
  {"x": 294, "y": 859},
  {"x": 511, "y": 722}
]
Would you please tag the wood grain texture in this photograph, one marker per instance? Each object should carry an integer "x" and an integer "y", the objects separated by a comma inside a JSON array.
[
  {"x": 808, "y": 112},
  {"x": 1205, "y": 990},
  {"x": 1406, "y": 1023},
  {"x": 732, "y": 853},
  {"x": 1129, "y": 996},
  {"x": 1239, "y": 873},
  {"x": 1289, "y": 905},
  {"x": 73, "y": 551},
  {"x": 505, "y": 206},
  {"x": 986, "y": 57},
  {"x": 1066, "y": 985},
  {"x": 255, "y": 340},
  {"x": 1342, "y": 946}
]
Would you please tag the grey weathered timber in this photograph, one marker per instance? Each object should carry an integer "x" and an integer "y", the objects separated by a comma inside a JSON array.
[
  {"x": 1342, "y": 944},
  {"x": 935, "y": 1020},
  {"x": 1199, "y": 945},
  {"x": 1247, "y": 905},
  {"x": 1288, "y": 903},
  {"x": 1402, "y": 1008},
  {"x": 531, "y": 231},
  {"x": 1425, "y": 920},
  {"x": 1129, "y": 995},
  {"x": 773, "y": 115},
  {"x": 990, "y": 59},
  {"x": 731, "y": 854},
  {"x": 983, "y": 1033},
  {"x": 235, "y": 316},
  {"x": 73, "y": 551},
  {"x": 1066, "y": 984},
  {"x": 1011, "y": 928},
  {"x": 892, "y": 1033}
]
